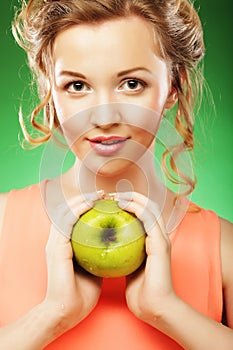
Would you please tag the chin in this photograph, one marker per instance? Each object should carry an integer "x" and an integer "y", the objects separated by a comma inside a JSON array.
[{"x": 114, "y": 168}]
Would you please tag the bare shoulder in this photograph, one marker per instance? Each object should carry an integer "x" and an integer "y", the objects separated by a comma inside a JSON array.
[
  {"x": 226, "y": 245},
  {"x": 227, "y": 267},
  {"x": 226, "y": 233},
  {"x": 3, "y": 201},
  {"x": 226, "y": 228}
]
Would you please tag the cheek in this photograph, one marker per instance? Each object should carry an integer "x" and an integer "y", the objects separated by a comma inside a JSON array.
[
  {"x": 65, "y": 107},
  {"x": 157, "y": 96},
  {"x": 75, "y": 128},
  {"x": 79, "y": 150},
  {"x": 144, "y": 138},
  {"x": 74, "y": 120},
  {"x": 146, "y": 120},
  {"x": 59, "y": 106},
  {"x": 158, "y": 101}
]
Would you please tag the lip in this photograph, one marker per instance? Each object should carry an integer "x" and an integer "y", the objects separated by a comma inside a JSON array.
[{"x": 107, "y": 145}]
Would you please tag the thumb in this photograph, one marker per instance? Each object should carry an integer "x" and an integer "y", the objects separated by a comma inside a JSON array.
[{"x": 58, "y": 246}]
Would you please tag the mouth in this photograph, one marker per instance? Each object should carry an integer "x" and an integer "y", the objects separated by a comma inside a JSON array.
[{"x": 107, "y": 145}]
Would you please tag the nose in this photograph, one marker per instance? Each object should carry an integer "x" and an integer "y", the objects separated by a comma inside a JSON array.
[{"x": 105, "y": 116}]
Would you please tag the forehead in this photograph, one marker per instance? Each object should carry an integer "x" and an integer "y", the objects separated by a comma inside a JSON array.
[{"x": 123, "y": 39}]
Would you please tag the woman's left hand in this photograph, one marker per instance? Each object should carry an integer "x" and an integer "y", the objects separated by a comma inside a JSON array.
[
  {"x": 149, "y": 290},
  {"x": 150, "y": 294}
]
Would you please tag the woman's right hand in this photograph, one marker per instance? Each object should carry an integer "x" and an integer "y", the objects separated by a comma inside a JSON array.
[{"x": 71, "y": 294}]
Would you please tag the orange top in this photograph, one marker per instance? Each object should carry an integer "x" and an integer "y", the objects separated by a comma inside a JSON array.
[{"x": 196, "y": 270}]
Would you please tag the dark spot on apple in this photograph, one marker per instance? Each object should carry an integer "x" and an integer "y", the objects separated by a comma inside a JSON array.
[{"x": 108, "y": 235}]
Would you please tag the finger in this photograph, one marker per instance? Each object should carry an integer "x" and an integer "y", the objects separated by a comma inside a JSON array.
[
  {"x": 89, "y": 198},
  {"x": 132, "y": 196},
  {"x": 65, "y": 218},
  {"x": 66, "y": 214},
  {"x": 158, "y": 262},
  {"x": 139, "y": 211},
  {"x": 139, "y": 198},
  {"x": 157, "y": 242},
  {"x": 56, "y": 240},
  {"x": 145, "y": 209}
]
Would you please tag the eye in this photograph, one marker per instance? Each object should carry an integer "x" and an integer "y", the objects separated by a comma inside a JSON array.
[
  {"x": 77, "y": 87},
  {"x": 132, "y": 85}
]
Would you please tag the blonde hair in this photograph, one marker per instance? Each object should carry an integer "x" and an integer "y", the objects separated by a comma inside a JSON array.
[{"x": 177, "y": 26}]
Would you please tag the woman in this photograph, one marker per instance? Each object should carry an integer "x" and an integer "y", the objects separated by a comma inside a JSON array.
[{"x": 108, "y": 71}]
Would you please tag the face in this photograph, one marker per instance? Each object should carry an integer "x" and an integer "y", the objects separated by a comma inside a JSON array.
[{"x": 110, "y": 90}]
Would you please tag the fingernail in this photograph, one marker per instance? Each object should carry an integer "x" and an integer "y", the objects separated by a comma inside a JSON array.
[
  {"x": 126, "y": 195},
  {"x": 111, "y": 196},
  {"x": 89, "y": 202},
  {"x": 101, "y": 193},
  {"x": 122, "y": 203}
]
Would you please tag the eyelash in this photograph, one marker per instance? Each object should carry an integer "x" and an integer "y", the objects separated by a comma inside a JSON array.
[
  {"x": 143, "y": 84},
  {"x": 71, "y": 83},
  {"x": 139, "y": 81}
]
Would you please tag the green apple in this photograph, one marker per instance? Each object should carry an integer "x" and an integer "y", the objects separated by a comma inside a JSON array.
[{"x": 108, "y": 241}]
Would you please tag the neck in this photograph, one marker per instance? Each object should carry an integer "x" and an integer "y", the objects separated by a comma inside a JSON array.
[{"x": 140, "y": 177}]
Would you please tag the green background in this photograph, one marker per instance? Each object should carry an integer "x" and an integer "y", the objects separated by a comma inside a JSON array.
[{"x": 214, "y": 131}]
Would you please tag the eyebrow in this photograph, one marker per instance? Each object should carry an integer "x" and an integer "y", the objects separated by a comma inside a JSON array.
[
  {"x": 72, "y": 74},
  {"x": 120, "y": 74},
  {"x": 128, "y": 71}
]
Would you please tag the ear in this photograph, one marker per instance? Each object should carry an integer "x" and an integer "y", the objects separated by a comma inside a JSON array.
[{"x": 171, "y": 98}]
